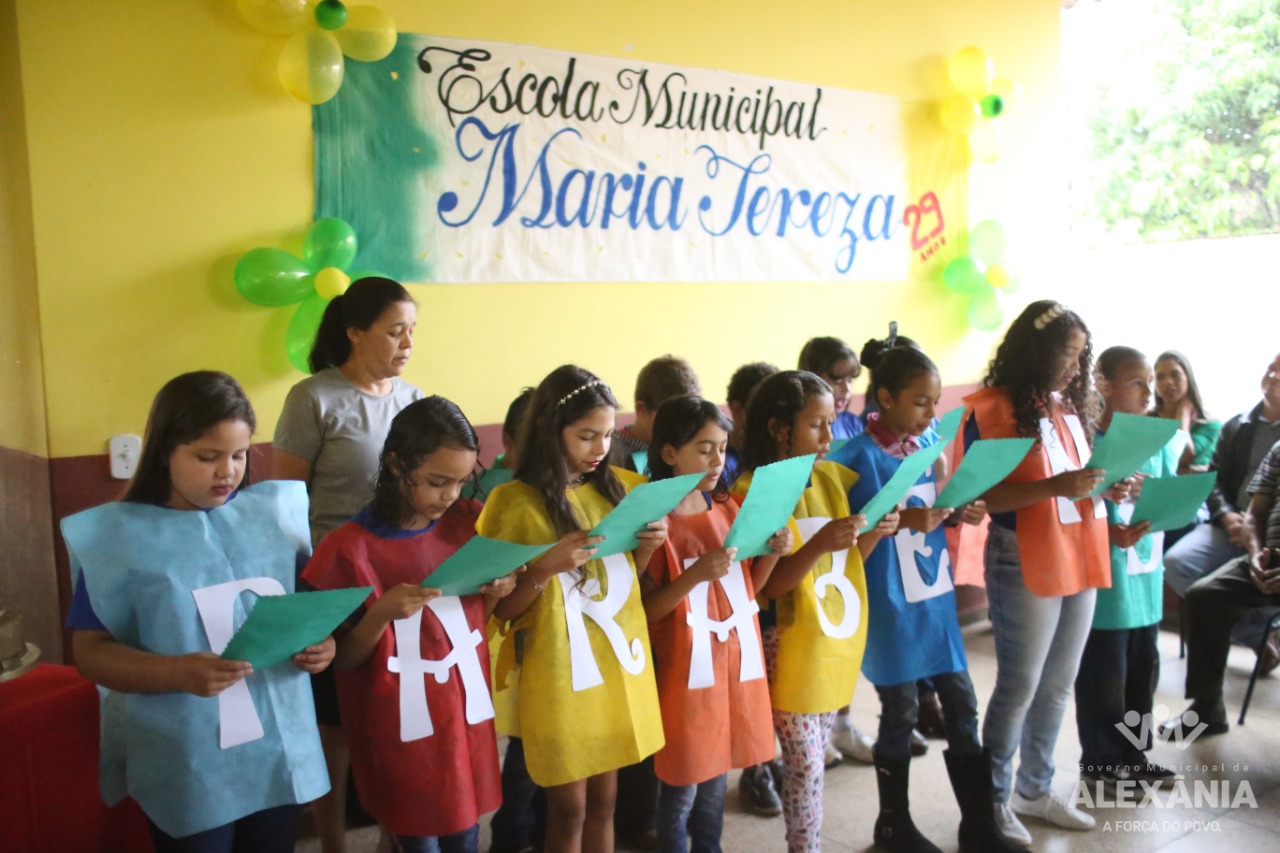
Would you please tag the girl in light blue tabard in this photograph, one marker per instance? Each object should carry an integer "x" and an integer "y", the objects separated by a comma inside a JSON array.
[{"x": 218, "y": 756}]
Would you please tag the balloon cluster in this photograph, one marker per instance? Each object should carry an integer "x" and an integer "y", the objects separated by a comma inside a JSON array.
[
  {"x": 311, "y": 63},
  {"x": 979, "y": 98},
  {"x": 273, "y": 277},
  {"x": 980, "y": 275}
]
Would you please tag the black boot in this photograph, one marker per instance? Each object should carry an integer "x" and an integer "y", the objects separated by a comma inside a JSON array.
[
  {"x": 971, "y": 781},
  {"x": 894, "y": 828}
]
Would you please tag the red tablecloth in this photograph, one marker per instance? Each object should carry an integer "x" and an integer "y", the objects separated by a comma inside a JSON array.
[{"x": 49, "y": 798}]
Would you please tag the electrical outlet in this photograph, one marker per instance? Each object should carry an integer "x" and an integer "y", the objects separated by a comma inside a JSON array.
[{"x": 124, "y": 452}]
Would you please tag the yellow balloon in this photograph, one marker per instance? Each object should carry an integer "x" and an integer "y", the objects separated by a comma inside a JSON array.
[
  {"x": 986, "y": 142},
  {"x": 368, "y": 35},
  {"x": 278, "y": 17},
  {"x": 310, "y": 65},
  {"x": 1007, "y": 89},
  {"x": 331, "y": 282},
  {"x": 997, "y": 276},
  {"x": 971, "y": 69},
  {"x": 959, "y": 113}
]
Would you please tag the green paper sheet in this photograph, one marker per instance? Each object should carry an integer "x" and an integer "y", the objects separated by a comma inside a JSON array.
[
  {"x": 899, "y": 484},
  {"x": 478, "y": 562},
  {"x": 489, "y": 480},
  {"x": 1172, "y": 502},
  {"x": 641, "y": 460},
  {"x": 280, "y": 626},
  {"x": 985, "y": 463},
  {"x": 949, "y": 424},
  {"x": 1129, "y": 441},
  {"x": 771, "y": 500},
  {"x": 646, "y": 503}
]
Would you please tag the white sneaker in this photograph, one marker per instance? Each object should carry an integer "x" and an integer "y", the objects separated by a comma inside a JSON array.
[
  {"x": 1010, "y": 827},
  {"x": 854, "y": 743},
  {"x": 1054, "y": 809},
  {"x": 832, "y": 757}
]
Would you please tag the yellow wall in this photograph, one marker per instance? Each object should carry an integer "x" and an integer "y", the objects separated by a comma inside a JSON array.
[
  {"x": 161, "y": 148},
  {"x": 22, "y": 424}
]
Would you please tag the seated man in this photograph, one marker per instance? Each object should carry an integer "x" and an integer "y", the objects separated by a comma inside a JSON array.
[
  {"x": 1246, "y": 438},
  {"x": 1214, "y": 604}
]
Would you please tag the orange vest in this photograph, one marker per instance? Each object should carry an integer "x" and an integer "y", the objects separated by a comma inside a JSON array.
[
  {"x": 726, "y": 723},
  {"x": 1062, "y": 543}
]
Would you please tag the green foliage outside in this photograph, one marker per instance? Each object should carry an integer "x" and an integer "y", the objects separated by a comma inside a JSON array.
[{"x": 1181, "y": 137}]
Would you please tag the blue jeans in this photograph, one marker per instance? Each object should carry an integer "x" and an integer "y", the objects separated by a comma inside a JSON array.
[
  {"x": 1118, "y": 674},
  {"x": 695, "y": 812},
  {"x": 900, "y": 708},
  {"x": 1199, "y": 554},
  {"x": 1038, "y": 646},
  {"x": 467, "y": 841},
  {"x": 521, "y": 820},
  {"x": 273, "y": 829}
]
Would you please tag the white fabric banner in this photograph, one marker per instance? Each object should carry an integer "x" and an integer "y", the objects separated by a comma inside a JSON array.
[{"x": 460, "y": 161}]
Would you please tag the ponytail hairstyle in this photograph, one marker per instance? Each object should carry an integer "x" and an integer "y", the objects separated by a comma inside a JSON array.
[
  {"x": 567, "y": 394},
  {"x": 1193, "y": 390},
  {"x": 358, "y": 308},
  {"x": 187, "y": 407},
  {"x": 1025, "y": 365},
  {"x": 420, "y": 429},
  {"x": 678, "y": 421},
  {"x": 776, "y": 402},
  {"x": 872, "y": 351},
  {"x": 899, "y": 367}
]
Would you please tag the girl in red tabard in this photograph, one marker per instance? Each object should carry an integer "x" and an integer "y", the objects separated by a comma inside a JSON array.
[
  {"x": 705, "y": 634},
  {"x": 423, "y": 749}
]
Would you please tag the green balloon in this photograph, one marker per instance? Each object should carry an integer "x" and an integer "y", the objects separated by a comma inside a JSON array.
[
  {"x": 329, "y": 243},
  {"x": 992, "y": 106},
  {"x": 331, "y": 14},
  {"x": 985, "y": 312},
  {"x": 273, "y": 277},
  {"x": 987, "y": 242},
  {"x": 962, "y": 276},
  {"x": 301, "y": 335}
]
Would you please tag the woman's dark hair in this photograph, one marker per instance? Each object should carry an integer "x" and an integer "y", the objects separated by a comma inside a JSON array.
[
  {"x": 357, "y": 308},
  {"x": 778, "y": 399},
  {"x": 567, "y": 394},
  {"x": 515, "y": 413},
  {"x": 187, "y": 407},
  {"x": 872, "y": 352},
  {"x": 1193, "y": 390},
  {"x": 746, "y": 378},
  {"x": 1025, "y": 365},
  {"x": 420, "y": 429},
  {"x": 821, "y": 354},
  {"x": 898, "y": 367},
  {"x": 677, "y": 422}
]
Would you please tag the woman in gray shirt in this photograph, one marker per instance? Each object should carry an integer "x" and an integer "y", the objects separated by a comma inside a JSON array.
[{"x": 329, "y": 436}]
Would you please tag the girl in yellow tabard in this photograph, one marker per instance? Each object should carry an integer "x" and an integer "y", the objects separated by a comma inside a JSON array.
[
  {"x": 586, "y": 703},
  {"x": 814, "y": 651}
]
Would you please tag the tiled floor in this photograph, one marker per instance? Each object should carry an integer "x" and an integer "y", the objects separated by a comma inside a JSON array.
[{"x": 1247, "y": 759}]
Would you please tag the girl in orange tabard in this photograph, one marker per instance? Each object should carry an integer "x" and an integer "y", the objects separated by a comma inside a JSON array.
[
  {"x": 1046, "y": 553},
  {"x": 711, "y": 685},
  {"x": 586, "y": 703}
]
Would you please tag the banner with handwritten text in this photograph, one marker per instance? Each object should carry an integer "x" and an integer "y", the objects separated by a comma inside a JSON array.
[{"x": 460, "y": 161}]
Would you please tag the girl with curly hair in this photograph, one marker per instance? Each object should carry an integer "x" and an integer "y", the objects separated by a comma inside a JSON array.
[{"x": 1046, "y": 553}]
